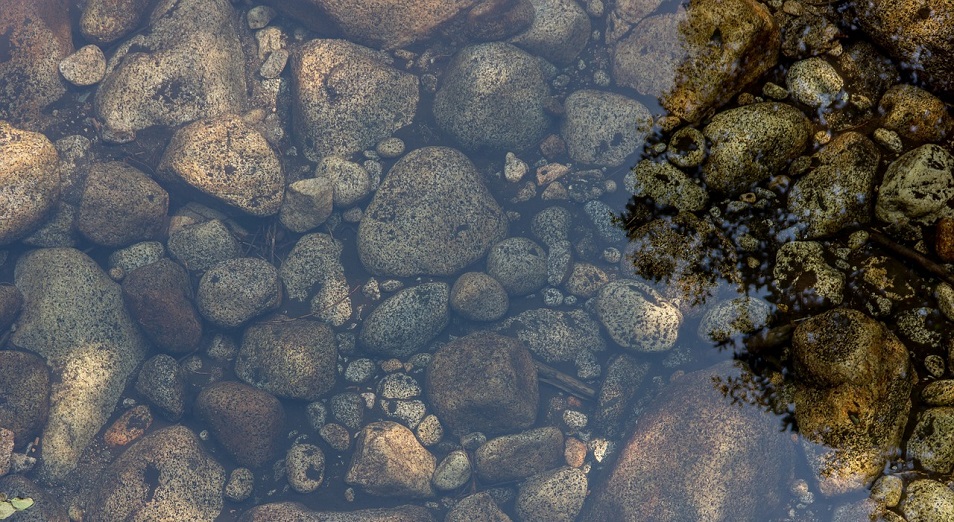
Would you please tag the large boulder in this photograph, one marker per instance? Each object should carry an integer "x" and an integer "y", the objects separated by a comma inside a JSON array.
[
  {"x": 698, "y": 454},
  {"x": 121, "y": 205},
  {"x": 604, "y": 128},
  {"x": 74, "y": 316},
  {"x": 29, "y": 181},
  {"x": 432, "y": 215},
  {"x": 853, "y": 381},
  {"x": 189, "y": 64},
  {"x": 105, "y": 21},
  {"x": 290, "y": 358},
  {"x": 245, "y": 420},
  {"x": 347, "y": 97}
]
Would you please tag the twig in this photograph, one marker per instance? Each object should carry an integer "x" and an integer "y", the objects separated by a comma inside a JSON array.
[
  {"x": 912, "y": 255},
  {"x": 565, "y": 382}
]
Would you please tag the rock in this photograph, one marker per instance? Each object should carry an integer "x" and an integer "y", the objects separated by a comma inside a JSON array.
[
  {"x": 519, "y": 264},
  {"x": 159, "y": 297},
  {"x": 388, "y": 461},
  {"x": 29, "y": 180},
  {"x": 162, "y": 382},
  {"x": 452, "y": 472},
  {"x": 259, "y": 16},
  {"x": 429, "y": 431},
  {"x": 240, "y": 485},
  {"x": 674, "y": 57},
  {"x": 551, "y": 225},
  {"x": 558, "y": 32},
  {"x": 555, "y": 335},
  {"x": 839, "y": 191},
  {"x": 11, "y": 300},
  {"x": 165, "y": 476},
  {"x": 683, "y": 253},
  {"x": 227, "y": 159},
  {"x": 602, "y": 217},
  {"x": 46, "y": 507},
  {"x": 483, "y": 382},
  {"x": 478, "y": 297},
  {"x": 388, "y": 148},
  {"x": 87, "y": 66},
  {"x": 245, "y": 420},
  {"x": 518, "y": 456},
  {"x": 752, "y": 143},
  {"x": 336, "y": 436},
  {"x": 105, "y": 21},
  {"x": 390, "y": 24},
  {"x": 604, "y": 128},
  {"x": 727, "y": 321},
  {"x": 915, "y": 114},
  {"x": 637, "y": 317},
  {"x": 351, "y": 181},
  {"x": 25, "y": 389},
  {"x": 346, "y": 97},
  {"x": 121, "y": 205},
  {"x": 492, "y": 20},
  {"x": 917, "y": 187},
  {"x": 129, "y": 427},
  {"x": 236, "y": 290},
  {"x": 136, "y": 256},
  {"x": 307, "y": 204},
  {"x": 804, "y": 279},
  {"x": 305, "y": 465},
  {"x": 928, "y": 501},
  {"x": 315, "y": 262},
  {"x": 815, "y": 83},
  {"x": 348, "y": 409},
  {"x": 479, "y": 507},
  {"x": 200, "y": 247},
  {"x": 809, "y": 34},
  {"x": 492, "y": 96},
  {"x": 930, "y": 444},
  {"x": 852, "y": 396},
  {"x": 74, "y": 316},
  {"x": 586, "y": 280},
  {"x": 295, "y": 511},
  {"x": 623, "y": 378},
  {"x": 432, "y": 215},
  {"x": 297, "y": 359},
  {"x": 668, "y": 186},
  {"x": 36, "y": 37},
  {"x": 914, "y": 33},
  {"x": 404, "y": 323},
  {"x": 163, "y": 76},
  {"x": 556, "y": 496},
  {"x": 938, "y": 393},
  {"x": 696, "y": 455}
]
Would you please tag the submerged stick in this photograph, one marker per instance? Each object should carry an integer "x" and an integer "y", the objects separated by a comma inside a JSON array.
[
  {"x": 913, "y": 255},
  {"x": 563, "y": 381}
]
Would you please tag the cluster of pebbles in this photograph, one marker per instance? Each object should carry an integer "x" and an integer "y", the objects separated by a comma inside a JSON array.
[{"x": 267, "y": 259}]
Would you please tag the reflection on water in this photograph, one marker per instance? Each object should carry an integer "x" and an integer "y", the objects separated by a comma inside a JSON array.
[{"x": 707, "y": 232}]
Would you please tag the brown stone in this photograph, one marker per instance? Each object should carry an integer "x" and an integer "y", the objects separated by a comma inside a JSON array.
[
  {"x": 944, "y": 240},
  {"x": 24, "y": 394},
  {"x": 121, "y": 205},
  {"x": 245, "y": 420},
  {"x": 553, "y": 147},
  {"x": 105, "y": 21},
  {"x": 159, "y": 297},
  {"x": 129, "y": 427}
]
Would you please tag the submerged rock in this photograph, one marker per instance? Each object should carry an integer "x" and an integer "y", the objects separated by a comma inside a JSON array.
[
  {"x": 518, "y": 456},
  {"x": 917, "y": 187},
  {"x": 696, "y": 454},
  {"x": 294, "y": 358},
  {"x": 852, "y": 396},
  {"x": 121, "y": 205},
  {"x": 388, "y": 461},
  {"x": 555, "y": 335},
  {"x": 604, "y": 128},
  {"x": 637, "y": 317},
  {"x": 295, "y": 511},
  {"x": 315, "y": 264},
  {"x": 405, "y": 322},
  {"x": 558, "y": 32},
  {"x": 29, "y": 181},
  {"x": 245, "y": 420}
]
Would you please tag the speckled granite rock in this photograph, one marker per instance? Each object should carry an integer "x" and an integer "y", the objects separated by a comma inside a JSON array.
[
  {"x": 29, "y": 181},
  {"x": 245, "y": 420},
  {"x": 389, "y": 461}
]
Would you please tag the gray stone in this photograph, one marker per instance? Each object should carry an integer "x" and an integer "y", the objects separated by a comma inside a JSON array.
[
  {"x": 604, "y": 128},
  {"x": 305, "y": 466},
  {"x": 729, "y": 320},
  {"x": 136, "y": 255},
  {"x": 752, "y": 143},
  {"x": 931, "y": 444},
  {"x": 315, "y": 263},
  {"x": 86, "y": 66},
  {"x": 429, "y": 431},
  {"x": 586, "y": 280},
  {"x": 668, "y": 186},
  {"x": 347, "y": 97},
  {"x": 928, "y": 501},
  {"x": 164, "y": 476},
  {"x": 121, "y": 205},
  {"x": 559, "y": 31},
  {"x": 479, "y": 507},
  {"x": 47, "y": 506},
  {"x": 360, "y": 371},
  {"x": 297, "y": 359},
  {"x": 815, "y": 83},
  {"x": 518, "y": 456},
  {"x": 229, "y": 160},
  {"x": 624, "y": 376},
  {"x": 852, "y": 396},
  {"x": 432, "y": 215},
  {"x": 492, "y": 96},
  {"x": 246, "y": 421},
  {"x": 637, "y": 317},
  {"x": 601, "y": 215},
  {"x": 351, "y": 181},
  {"x": 29, "y": 181},
  {"x": 694, "y": 455},
  {"x": 240, "y": 485},
  {"x": 274, "y": 64},
  {"x": 453, "y": 471},
  {"x": 336, "y": 436},
  {"x": 555, "y": 335},
  {"x": 259, "y": 16},
  {"x": 483, "y": 382},
  {"x": 405, "y": 322},
  {"x": 388, "y": 461},
  {"x": 162, "y": 382},
  {"x": 555, "y": 495},
  {"x": 201, "y": 246},
  {"x": 479, "y": 297},
  {"x": 74, "y": 316},
  {"x": 307, "y": 204},
  {"x": 348, "y": 409},
  {"x": 917, "y": 187},
  {"x": 559, "y": 262},
  {"x": 519, "y": 264},
  {"x": 236, "y": 290},
  {"x": 160, "y": 76},
  {"x": 551, "y": 225},
  {"x": 398, "y": 386},
  {"x": 840, "y": 190},
  {"x": 408, "y": 412}
]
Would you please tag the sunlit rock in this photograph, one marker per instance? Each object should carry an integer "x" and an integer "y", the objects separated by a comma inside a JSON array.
[
  {"x": 388, "y": 461},
  {"x": 29, "y": 181},
  {"x": 917, "y": 187},
  {"x": 915, "y": 114},
  {"x": 853, "y": 382}
]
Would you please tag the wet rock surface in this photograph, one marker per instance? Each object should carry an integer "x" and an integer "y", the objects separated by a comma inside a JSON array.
[
  {"x": 245, "y": 420},
  {"x": 29, "y": 181},
  {"x": 389, "y": 461}
]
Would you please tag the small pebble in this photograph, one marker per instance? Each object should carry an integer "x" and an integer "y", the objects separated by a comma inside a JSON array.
[
  {"x": 574, "y": 452},
  {"x": 472, "y": 441},
  {"x": 336, "y": 435},
  {"x": 887, "y": 489},
  {"x": 360, "y": 371},
  {"x": 259, "y": 17},
  {"x": 240, "y": 485},
  {"x": 86, "y": 66},
  {"x": 934, "y": 365},
  {"x": 390, "y": 147},
  {"x": 774, "y": 91}
]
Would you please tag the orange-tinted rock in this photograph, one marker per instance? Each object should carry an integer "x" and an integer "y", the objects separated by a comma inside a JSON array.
[
  {"x": 129, "y": 427},
  {"x": 944, "y": 241}
]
